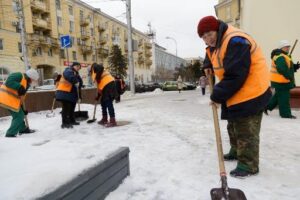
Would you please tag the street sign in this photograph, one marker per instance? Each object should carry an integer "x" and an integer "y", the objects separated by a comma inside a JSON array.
[{"x": 65, "y": 41}]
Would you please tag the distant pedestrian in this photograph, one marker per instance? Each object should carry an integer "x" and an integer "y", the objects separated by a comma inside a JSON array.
[
  {"x": 243, "y": 89},
  {"x": 68, "y": 94},
  {"x": 121, "y": 86},
  {"x": 203, "y": 82},
  {"x": 12, "y": 96},
  {"x": 282, "y": 79},
  {"x": 106, "y": 94},
  {"x": 179, "y": 84}
]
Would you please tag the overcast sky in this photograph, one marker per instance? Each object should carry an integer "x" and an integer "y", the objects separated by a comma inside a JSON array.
[{"x": 174, "y": 18}]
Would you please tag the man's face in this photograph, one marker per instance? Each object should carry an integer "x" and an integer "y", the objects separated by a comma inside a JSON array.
[
  {"x": 210, "y": 38},
  {"x": 286, "y": 49},
  {"x": 77, "y": 67}
]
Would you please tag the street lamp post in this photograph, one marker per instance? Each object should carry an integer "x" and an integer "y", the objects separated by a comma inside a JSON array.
[{"x": 175, "y": 46}]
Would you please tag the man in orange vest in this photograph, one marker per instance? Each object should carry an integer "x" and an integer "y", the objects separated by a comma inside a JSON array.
[
  {"x": 282, "y": 79},
  {"x": 12, "y": 95},
  {"x": 107, "y": 92},
  {"x": 243, "y": 89},
  {"x": 67, "y": 93}
]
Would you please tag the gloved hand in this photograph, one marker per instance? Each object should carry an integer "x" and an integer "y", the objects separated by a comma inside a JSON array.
[
  {"x": 21, "y": 91},
  {"x": 296, "y": 66},
  {"x": 25, "y": 112},
  {"x": 99, "y": 95}
]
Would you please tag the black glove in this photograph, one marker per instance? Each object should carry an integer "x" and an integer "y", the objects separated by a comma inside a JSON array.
[
  {"x": 25, "y": 112},
  {"x": 296, "y": 66},
  {"x": 98, "y": 95},
  {"x": 21, "y": 91}
]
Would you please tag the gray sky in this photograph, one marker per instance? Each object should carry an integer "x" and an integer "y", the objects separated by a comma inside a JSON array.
[{"x": 174, "y": 18}]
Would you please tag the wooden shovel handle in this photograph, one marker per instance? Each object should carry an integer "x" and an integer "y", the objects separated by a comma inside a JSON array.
[
  {"x": 217, "y": 132},
  {"x": 24, "y": 107}
]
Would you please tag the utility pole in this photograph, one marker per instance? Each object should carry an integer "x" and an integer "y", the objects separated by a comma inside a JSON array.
[
  {"x": 130, "y": 52},
  {"x": 19, "y": 4}
]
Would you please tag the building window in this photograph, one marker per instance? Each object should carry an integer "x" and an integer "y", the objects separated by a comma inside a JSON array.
[
  {"x": 84, "y": 57},
  {"x": 92, "y": 31},
  {"x": 62, "y": 53},
  {"x": 228, "y": 13},
  {"x": 74, "y": 55},
  {"x": 50, "y": 52},
  {"x": 18, "y": 30},
  {"x": 3, "y": 74},
  {"x": 59, "y": 21},
  {"x": 1, "y": 44},
  {"x": 38, "y": 51},
  {"x": 20, "y": 47},
  {"x": 71, "y": 26},
  {"x": 94, "y": 58},
  {"x": 72, "y": 41},
  {"x": 81, "y": 15},
  {"x": 57, "y": 3},
  {"x": 70, "y": 10}
]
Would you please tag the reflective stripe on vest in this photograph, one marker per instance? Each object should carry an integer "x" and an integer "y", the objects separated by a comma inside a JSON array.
[
  {"x": 274, "y": 75},
  {"x": 9, "y": 97},
  {"x": 257, "y": 81},
  {"x": 64, "y": 85},
  {"x": 106, "y": 78}
]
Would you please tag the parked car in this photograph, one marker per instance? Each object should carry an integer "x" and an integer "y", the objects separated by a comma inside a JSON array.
[
  {"x": 189, "y": 86},
  {"x": 169, "y": 86},
  {"x": 150, "y": 87},
  {"x": 48, "y": 84},
  {"x": 139, "y": 87}
]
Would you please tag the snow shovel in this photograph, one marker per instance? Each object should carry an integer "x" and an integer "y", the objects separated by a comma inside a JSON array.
[
  {"x": 94, "y": 116},
  {"x": 224, "y": 192},
  {"x": 51, "y": 114},
  {"x": 80, "y": 115}
]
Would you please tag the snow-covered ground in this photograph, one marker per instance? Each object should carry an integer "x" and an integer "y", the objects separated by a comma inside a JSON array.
[{"x": 172, "y": 152}]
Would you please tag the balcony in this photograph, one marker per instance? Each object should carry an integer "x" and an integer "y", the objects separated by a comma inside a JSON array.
[
  {"x": 86, "y": 49},
  {"x": 85, "y": 35},
  {"x": 40, "y": 40},
  {"x": 38, "y": 6},
  {"x": 148, "y": 62},
  {"x": 84, "y": 21},
  {"x": 148, "y": 45},
  {"x": 141, "y": 60},
  {"x": 101, "y": 28},
  {"x": 39, "y": 23},
  {"x": 103, "y": 52},
  {"x": 103, "y": 40},
  {"x": 148, "y": 54}
]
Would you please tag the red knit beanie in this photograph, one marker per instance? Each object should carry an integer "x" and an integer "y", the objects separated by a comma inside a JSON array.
[{"x": 206, "y": 24}]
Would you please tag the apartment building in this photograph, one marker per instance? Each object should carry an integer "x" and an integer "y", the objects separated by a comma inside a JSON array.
[
  {"x": 92, "y": 32},
  {"x": 229, "y": 11}
]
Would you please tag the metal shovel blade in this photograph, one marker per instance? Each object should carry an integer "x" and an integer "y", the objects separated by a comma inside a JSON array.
[
  {"x": 234, "y": 194},
  {"x": 81, "y": 115},
  {"x": 91, "y": 121},
  {"x": 49, "y": 115}
]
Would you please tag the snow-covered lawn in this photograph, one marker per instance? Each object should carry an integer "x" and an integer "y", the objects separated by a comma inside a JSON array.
[{"x": 172, "y": 152}]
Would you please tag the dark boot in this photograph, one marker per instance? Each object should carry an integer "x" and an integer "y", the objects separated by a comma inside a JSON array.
[
  {"x": 26, "y": 131},
  {"x": 112, "y": 122},
  {"x": 11, "y": 136},
  {"x": 74, "y": 123},
  {"x": 65, "y": 125},
  {"x": 103, "y": 121},
  {"x": 231, "y": 155},
  {"x": 239, "y": 173}
]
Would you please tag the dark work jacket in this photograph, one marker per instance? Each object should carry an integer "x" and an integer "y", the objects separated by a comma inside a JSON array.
[
  {"x": 109, "y": 91},
  {"x": 237, "y": 62},
  {"x": 73, "y": 77}
]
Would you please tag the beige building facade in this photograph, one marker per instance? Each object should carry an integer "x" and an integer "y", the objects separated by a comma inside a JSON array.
[
  {"x": 92, "y": 32},
  {"x": 268, "y": 21}
]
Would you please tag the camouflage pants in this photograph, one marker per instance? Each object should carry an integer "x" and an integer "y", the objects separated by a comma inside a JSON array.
[{"x": 244, "y": 141}]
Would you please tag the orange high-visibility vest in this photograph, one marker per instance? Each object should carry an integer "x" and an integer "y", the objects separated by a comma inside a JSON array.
[
  {"x": 64, "y": 85},
  {"x": 257, "y": 81},
  {"x": 9, "y": 97},
  {"x": 274, "y": 75},
  {"x": 106, "y": 78}
]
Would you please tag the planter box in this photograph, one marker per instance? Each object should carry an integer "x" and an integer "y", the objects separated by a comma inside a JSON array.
[
  {"x": 295, "y": 97},
  {"x": 97, "y": 182},
  {"x": 42, "y": 100}
]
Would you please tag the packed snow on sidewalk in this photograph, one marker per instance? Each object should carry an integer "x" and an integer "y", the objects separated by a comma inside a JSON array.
[{"x": 172, "y": 152}]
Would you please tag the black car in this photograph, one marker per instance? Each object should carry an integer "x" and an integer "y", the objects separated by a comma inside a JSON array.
[
  {"x": 189, "y": 86},
  {"x": 150, "y": 87}
]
